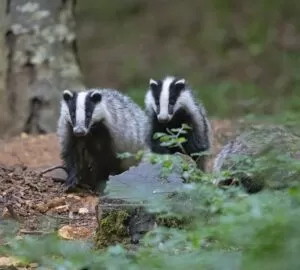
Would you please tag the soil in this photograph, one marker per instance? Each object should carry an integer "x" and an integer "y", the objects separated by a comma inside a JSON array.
[{"x": 40, "y": 204}]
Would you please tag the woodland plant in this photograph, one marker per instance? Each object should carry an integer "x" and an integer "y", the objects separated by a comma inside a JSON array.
[{"x": 230, "y": 230}]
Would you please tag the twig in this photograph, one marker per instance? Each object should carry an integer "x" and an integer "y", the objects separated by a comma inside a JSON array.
[
  {"x": 34, "y": 232},
  {"x": 33, "y": 186},
  {"x": 12, "y": 212},
  {"x": 52, "y": 169},
  {"x": 59, "y": 217},
  {"x": 58, "y": 180},
  {"x": 176, "y": 137},
  {"x": 113, "y": 205},
  {"x": 97, "y": 214}
]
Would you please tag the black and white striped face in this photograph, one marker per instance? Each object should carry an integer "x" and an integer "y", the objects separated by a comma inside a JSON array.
[
  {"x": 164, "y": 96},
  {"x": 82, "y": 109}
]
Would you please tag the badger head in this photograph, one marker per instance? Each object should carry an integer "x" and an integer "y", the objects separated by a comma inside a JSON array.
[
  {"x": 165, "y": 96},
  {"x": 82, "y": 109}
]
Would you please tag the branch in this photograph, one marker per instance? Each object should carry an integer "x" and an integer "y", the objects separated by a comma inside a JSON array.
[
  {"x": 12, "y": 212},
  {"x": 52, "y": 169}
]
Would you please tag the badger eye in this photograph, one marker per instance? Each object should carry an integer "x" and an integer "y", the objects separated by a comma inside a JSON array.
[
  {"x": 171, "y": 108},
  {"x": 96, "y": 97},
  {"x": 157, "y": 107}
]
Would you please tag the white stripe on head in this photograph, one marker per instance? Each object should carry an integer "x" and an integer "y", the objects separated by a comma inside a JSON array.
[
  {"x": 152, "y": 82},
  {"x": 67, "y": 94},
  {"x": 181, "y": 81},
  {"x": 80, "y": 109},
  {"x": 164, "y": 98}
]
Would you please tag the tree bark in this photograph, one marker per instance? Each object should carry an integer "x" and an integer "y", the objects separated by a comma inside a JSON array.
[
  {"x": 3, "y": 67},
  {"x": 41, "y": 62}
]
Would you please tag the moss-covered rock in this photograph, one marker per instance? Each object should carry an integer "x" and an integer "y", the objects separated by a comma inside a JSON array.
[
  {"x": 123, "y": 212},
  {"x": 173, "y": 221},
  {"x": 262, "y": 157},
  {"x": 112, "y": 228}
]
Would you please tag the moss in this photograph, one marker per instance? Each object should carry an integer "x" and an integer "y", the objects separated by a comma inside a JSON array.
[
  {"x": 112, "y": 229},
  {"x": 172, "y": 221},
  {"x": 263, "y": 157}
]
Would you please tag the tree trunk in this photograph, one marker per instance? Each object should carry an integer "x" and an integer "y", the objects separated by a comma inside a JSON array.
[
  {"x": 3, "y": 68},
  {"x": 41, "y": 62}
]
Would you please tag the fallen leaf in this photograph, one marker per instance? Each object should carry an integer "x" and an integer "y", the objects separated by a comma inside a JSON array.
[
  {"x": 83, "y": 210},
  {"x": 24, "y": 135},
  {"x": 69, "y": 232},
  {"x": 90, "y": 203},
  {"x": 73, "y": 196},
  {"x": 9, "y": 261},
  {"x": 56, "y": 202},
  {"x": 41, "y": 207},
  {"x": 61, "y": 208},
  {"x": 5, "y": 213},
  {"x": 33, "y": 265}
]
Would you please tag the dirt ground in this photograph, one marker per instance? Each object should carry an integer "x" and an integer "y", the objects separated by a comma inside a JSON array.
[{"x": 37, "y": 202}]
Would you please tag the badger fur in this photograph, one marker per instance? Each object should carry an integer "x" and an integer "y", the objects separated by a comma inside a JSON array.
[
  {"x": 94, "y": 126},
  {"x": 169, "y": 103}
]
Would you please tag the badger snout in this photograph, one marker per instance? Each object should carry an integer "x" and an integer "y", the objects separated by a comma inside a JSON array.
[
  {"x": 163, "y": 119},
  {"x": 80, "y": 131}
]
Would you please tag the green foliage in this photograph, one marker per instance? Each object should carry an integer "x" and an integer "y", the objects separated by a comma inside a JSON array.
[
  {"x": 173, "y": 137},
  {"x": 241, "y": 57},
  {"x": 227, "y": 229},
  {"x": 202, "y": 227},
  {"x": 231, "y": 231}
]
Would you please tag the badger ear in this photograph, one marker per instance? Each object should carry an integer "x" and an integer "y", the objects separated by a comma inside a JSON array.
[
  {"x": 96, "y": 96},
  {"x": 153, "y": 83},
  {"x": 180, "y": 84},
  {"x": 67, "y": 95}
]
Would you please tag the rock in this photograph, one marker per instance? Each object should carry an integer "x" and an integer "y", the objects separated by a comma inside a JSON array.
[
  {"x": 261, "y": 157},
  {"x": 123, "y": 216}
]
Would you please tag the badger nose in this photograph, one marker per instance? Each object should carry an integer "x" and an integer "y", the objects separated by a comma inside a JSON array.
[
  {"x": 79, "y": 131},
  {"x": 163, "y": 120}
]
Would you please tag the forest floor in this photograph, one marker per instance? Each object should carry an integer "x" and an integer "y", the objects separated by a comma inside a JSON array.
[{"x": 39, "y": 204}]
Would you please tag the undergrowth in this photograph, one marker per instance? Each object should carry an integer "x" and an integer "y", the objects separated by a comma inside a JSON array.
[{"x": 230, "y": 230}]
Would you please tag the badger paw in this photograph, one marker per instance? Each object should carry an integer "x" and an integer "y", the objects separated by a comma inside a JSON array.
[{"x": 71, "y": 183}]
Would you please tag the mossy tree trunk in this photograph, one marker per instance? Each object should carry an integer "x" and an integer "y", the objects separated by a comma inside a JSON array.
[{"x": 38, "y": 49}]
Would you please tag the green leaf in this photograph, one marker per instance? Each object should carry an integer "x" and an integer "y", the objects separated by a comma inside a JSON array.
[
  {"x": 124, "y": 155},
  {"x": 185, "y": 126},
  {"x": 168, "y": 143},
  {"x": 181, "y": 140},
  {"x": 158, "y": 135},
  {"x": 165, "y": 138}
]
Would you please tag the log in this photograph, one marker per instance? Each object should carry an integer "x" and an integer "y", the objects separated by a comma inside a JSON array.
[{"x": 263, "y": 156}]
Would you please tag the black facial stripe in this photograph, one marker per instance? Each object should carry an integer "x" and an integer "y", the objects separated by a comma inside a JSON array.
[
  {"x": 156, "y": 90},
  {"x": 72, "y": 107},
  {"x": 171, "y": 109},
  {"x": 175, "y": 91},
  {"x": 89, "y": 109}
]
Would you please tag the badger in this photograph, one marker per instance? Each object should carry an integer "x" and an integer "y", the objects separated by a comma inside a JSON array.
[
  {"x": 169, "y": 103},
  {"x": 93, "y": 127}
]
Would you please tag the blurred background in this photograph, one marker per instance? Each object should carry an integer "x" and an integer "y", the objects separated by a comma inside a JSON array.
[{"x": 242, "y": 57}]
